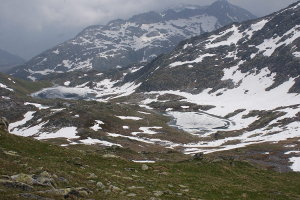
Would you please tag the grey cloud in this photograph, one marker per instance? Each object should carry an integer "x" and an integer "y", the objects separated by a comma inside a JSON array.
[{"x": 27, "y": 27}]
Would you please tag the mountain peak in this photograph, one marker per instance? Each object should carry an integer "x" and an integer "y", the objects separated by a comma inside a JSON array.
[{"x": 138, "y": 39}]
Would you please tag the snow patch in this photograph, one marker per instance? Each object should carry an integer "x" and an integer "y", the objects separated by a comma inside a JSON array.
[
  {"x": 66, "y": 132},
  {"x": 91, "y": 141},
  {"x": 5, "y": 87},
  {"x": 129, "y": 118},
  {"x": 67, "y": 83},
  {"x": 97, "y": 126},
  {"x": 296, "y": 164},
  {"x": 39, "y": 106},
  {"x": 234, "y": 38},
  {"x": 27, "y": 117},
  {"x": 147, "y": 130},
  {"x": 197, "y": 60}
]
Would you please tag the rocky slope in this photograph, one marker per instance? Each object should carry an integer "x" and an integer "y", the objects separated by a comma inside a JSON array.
[
  {"x": 234, "y": 88},
  {"x": 30, "y": 169},
  {"x": 248, "y": 72},
  {"x": 138, "y": 39},
  {"x": 237, "y": 87}
]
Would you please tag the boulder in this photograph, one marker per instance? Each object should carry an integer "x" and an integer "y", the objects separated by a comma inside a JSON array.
[
  {"x": 16, "y": 185},
  {"x": 145, "y": 167}
]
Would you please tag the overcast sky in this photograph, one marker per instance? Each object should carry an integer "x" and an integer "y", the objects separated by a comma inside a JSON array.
[{"x": 28, "y": 27}]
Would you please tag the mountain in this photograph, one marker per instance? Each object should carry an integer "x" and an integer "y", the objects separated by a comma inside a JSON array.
[
  {"x": 8, "y": 60},
  {"x": 234, "y": 88},
  {"x": 138, "y": 39},
  {"x": 233, "y": 92}
]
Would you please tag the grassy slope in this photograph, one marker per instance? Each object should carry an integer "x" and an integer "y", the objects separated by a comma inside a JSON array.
[
  {"x": 23, "y": 87},
  {"x": 204, "y": 180}
]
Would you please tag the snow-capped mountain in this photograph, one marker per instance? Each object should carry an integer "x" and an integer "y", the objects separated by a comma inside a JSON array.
[
  {"x": 233, "y": 88},
  {"x": 247, "y": 74},
  {"x": 138, "y": 39}
]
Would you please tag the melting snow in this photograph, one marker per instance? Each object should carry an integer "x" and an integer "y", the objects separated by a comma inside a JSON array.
[
  {"x": 66, "y": 132},
  {"x": 67, "y": 83},
  {"x": 125, "y": 127},
  {"x": 130, "y": 118},
  {"x": 145, "y": 113},
  {"x": 5, "y": 87},
  {"x": 197, "y": 60},
  {"x": 296, "y": 54},
  {"x": 91, "y": 141},
  {"x": 27, "y": 116},
  {"x": 296, "y": 164},
  {"x": 232, "y": 39},
  {"x": 270, "y": 45},
  {"x": 256, "y": 27},
  {"x": 97, "y": 126},
  {"x": 56, "y": 51},
  {"x": 147, "y": 130},
  {"x": 143, "y": 161},
  {"x": 39, "y": 106},
  {"x": 194, "y": 122}
]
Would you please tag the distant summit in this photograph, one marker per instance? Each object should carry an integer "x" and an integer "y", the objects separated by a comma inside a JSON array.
[{"x": 139, "y": 39}]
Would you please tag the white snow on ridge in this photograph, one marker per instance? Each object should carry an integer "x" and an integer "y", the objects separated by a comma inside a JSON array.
[
  {"x": 61, "y": 90},
  {"x": 39, "y": 106},
  {"x": 275, "y": 134},
  {"x": 5, "y": 87},
  {"x": 129, "y": 118},
  {"x": 67, "y": 83},
  {"x": 197, "y": 60},
  {"x": 29, "y": 131},
  {"x": 120, "y": 40},
  {"x": 194, "y": 122},
  {"x": 43, "y": 72},
  {"x": 97, "y": 126},
  {"x": 165, "y": 143},
  {"x": 66, "y": 132},
  {"x": 296, "y": 164},
  {"x": 27, "y": 117},
  {"x": 296, "y": 54},
  {"x": 82, "y": 65},
  {"x": 56, "y": 52},
  {"x": 249, "y": 95},
  {"x": 147, "y": 130},
  {"x": 256, "y": 27},
  {"x": 107, "y": 88},
  {"x": 135, "y": 69},
  {"x": 232, "y": 39},
  {"x": 67, "y": 63},
  {"x": 143, "y": 161},
  {"x": 91, "y": 141},
  {"x": 270, "y": 45}
]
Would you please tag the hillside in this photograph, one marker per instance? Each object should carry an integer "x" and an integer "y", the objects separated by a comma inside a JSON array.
[{"x": 31, "y": 169}]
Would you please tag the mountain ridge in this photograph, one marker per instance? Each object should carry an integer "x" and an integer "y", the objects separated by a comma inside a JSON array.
[{"x": 124, "y": 42}]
